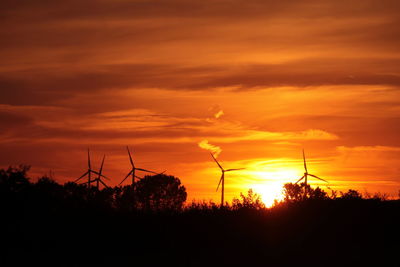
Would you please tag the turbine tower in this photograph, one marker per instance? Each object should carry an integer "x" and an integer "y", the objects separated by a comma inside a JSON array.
[
  {"x": 133, "y": 170},
  {"x": 305, "y": 176},
  {"x": 89, "y": 172},
  {"x": 222, "y": 179}
]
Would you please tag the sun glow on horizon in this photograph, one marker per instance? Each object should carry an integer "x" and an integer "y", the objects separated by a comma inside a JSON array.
[{"x": 270, "y": 183}]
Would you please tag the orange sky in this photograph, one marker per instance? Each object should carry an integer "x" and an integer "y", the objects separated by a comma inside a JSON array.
[{"x": 259, "y": 79}]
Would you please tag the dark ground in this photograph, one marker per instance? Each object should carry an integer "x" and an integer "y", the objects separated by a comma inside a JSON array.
[{"x": 313, "y": 233}]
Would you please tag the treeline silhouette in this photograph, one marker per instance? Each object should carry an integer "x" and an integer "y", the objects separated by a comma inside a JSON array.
[{"x": 149, "y": 224}]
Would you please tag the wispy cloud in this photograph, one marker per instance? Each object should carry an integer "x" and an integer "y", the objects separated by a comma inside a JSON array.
[
  {"x": 215, "y": 150},
  {"x": 33, "y": 85},
  {"x": 368, "y": 149},
  {"x": 219, "y": 114}
]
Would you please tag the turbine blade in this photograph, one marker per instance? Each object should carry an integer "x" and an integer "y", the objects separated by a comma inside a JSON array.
[
  {"x": 143, "y": 170},
  {"x": 88, "y": 155},
  {"x": 220, "y": 180},
  {"x": 304, "y": 159},
  {"x": 83, "y": 175},
  {"x": 228, "y": 170},
  {"x": 101, "y": 167},
  {"x": 216, "y": 161},
  {"x": 318, "y": 178},
  {"x": 105, "y": 177},
  {"x": 125, "y": 178},
  {"x": 92, "y": 181},
  {"x": 130, "y": 157},
  {"x": 100, "y": 175},
  {"x": 299, "y": 179},
  {"x": 101, "y": 181}
]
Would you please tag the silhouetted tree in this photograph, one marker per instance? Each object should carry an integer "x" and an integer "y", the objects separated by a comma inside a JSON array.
[
  {"x": 75, "y": 195},
  {"x": 103, "y": 198},
  {"x": 47, "y": 193},
  {"x": 295, "y": 192},
  {"x": 317, "y": 194},
  {"x": 14, "y": 187},
  {"x": 14, "y": 179},
  {"x": 351, "y": 194},
  {"x": 125, "y": 198},
  {"x": 292, "y": 192},
  {"x": 74, "y": 190},
  {"x": 251, "y": 201},
  {"x": 46, "y": 185},
  {"x": 160, "y": 192}
]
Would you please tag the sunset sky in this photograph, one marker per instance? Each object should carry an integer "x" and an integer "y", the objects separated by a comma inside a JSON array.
[{"x": 257, "y": 81}]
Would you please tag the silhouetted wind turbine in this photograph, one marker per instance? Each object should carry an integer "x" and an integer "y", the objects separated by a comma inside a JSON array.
[
  {"x": 222, "y": 180},
  {"x": 98, "y": 180},
  {"x": 133, "y": 170},
  {"x": 305, "y": 176},
  {"x": 89, "y": 173}
]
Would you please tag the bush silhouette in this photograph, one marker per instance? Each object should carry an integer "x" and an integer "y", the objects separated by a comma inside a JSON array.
[
  {"x": 295, "y": 192},
  {"x": 351, "y": 194},
  {"x": 160, "y": 192},
  {"x": 251, "y": 201}
]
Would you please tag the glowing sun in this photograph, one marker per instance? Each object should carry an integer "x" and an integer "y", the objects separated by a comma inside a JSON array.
[{"x": 270, "y": 185}]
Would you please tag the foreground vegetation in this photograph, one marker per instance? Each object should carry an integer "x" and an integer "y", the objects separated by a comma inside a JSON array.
[{"x": 148, "y": 225}]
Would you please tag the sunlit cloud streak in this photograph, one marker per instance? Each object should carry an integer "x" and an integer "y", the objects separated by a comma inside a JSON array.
[{"x": 215, "y": 150}]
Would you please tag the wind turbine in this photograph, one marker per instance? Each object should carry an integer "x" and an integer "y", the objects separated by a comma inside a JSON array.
[
  {"x": 98, "y": 180},
  {"x": 222, "y": 180},
  {"x": 133, "y": 170},
  {"x": 89, "y": 173},
  {"x": 305, "y": 176}
]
